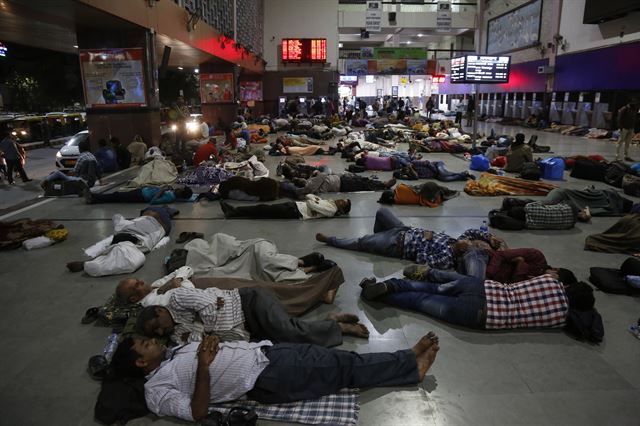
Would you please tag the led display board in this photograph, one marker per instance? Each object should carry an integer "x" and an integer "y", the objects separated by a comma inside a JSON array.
[
  {"x": 477, "y": 69},
  {"x": 304, "y": 50}
]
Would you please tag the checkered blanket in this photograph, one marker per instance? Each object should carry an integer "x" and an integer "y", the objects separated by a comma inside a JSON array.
[{"x": 336, "y": 409}]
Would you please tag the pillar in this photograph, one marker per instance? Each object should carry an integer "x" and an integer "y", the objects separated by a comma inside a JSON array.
[{"x": 123, "y": 121}]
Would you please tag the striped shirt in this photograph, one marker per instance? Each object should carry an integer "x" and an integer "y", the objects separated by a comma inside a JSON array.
[
  {"x": 233, "y": 373},
  {"x": 195, "y": 311},
  {"x": 537, "y": 302},
  {"x": 436, "y": 252}
]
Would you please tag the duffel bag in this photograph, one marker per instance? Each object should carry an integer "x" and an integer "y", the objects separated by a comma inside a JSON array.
[
  {"x": 530, "y": 171},
  {"x": 589, "y": 170},
  {"x": 631, "y": 185},
  {"x": 501, "y": 220},
  {"x": 615, "y": 172},
  {"x": 549, "y": 216}
]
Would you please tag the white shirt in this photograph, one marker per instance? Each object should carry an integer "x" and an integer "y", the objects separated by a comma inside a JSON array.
[
  {"x": 233, "y": 373},
  {"x": 314, "y": 207},
  {"x": 146, "y": 228},
  {"x": 122, "y": 258},
  {"x": 204, "y": 129},
  {"x": 155, "y": 299}
]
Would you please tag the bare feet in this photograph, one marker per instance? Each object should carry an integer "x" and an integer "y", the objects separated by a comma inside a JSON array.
[
  {"x": 426, "y": 359},
  {"x": 342, "y": 317},
  {"x": 75, "y": 266},
  {"x": 357, "y": 330},
  {"x": 329, "y": 296},
  {"x": 322, "y": 238},
  {"x": 425, "y": 343}
]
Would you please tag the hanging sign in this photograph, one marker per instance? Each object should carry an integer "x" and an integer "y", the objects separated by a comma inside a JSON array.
[
  {"x": 443, "y": 18},
  {"x": 373, "y": 16}
]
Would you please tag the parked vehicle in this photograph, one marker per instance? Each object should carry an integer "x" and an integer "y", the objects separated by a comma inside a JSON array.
[{"x": 67, "y": 156}]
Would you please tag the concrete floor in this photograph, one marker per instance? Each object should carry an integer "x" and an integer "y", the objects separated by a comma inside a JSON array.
[{"x": 479, "y": 378}]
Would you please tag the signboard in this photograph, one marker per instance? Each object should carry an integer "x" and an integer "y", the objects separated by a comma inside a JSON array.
[
  {"x": 357, "y": 67},
  {"x": 250, "y": 91},
  {"x": 394, "y": 90},
  {"x": 367, "y": 52},
  {"x": 373, "y": 16},
  {"x": 297, "y": 85},
  {"x": 399, "y": 53},
  {"x": 390, "y": 66},
  {"x": 516, "y": 29},
  {"x": 304, "y": 50},
  {"x": 443, "y": 17},
  {"x": 379, "y": 93},
  {"x": 480, "y": 69},
  {"x": 348, "y": 79},
  {"x": 216, "y": 88},
  {"x": 113, "y": 78}
]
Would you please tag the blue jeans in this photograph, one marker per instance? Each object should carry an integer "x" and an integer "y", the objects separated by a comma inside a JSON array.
[
  {"x": 58, "y": 175},
  {"x": 384, "y": 240},
  {"x": 474, "y": 263},
  {"x": 445, "y": 175},
  {"x": 460, "y": 300}
]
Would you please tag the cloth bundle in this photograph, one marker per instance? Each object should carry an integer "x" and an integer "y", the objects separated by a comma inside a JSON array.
[{"x": 494, "y": 185}]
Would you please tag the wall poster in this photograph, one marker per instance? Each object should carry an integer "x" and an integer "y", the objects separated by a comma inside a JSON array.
[
  {"x": 216, "y": 88},
  {"x": 250, "y": 91},
  {"x": 297, "y": 85},
  {"x": 516, "y": 29},
  {"x": 113, "y": 78}
]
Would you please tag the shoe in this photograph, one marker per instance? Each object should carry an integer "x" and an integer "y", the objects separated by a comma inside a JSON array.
[
  {"x": 312, "y": 259},
  {"x": 372, "y": 291},
  {"x": 416, "y": 272},
  {"x": 90, "y": 316},
  {"x": 325, "y": 265}
]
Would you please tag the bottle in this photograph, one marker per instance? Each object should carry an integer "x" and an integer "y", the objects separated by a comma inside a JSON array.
[
  {"x": 484, "y": 227},
  {"x": 111, "y": 346}
]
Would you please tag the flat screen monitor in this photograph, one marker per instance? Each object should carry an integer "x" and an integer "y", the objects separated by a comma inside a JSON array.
[{"x": 477, "y": 69}]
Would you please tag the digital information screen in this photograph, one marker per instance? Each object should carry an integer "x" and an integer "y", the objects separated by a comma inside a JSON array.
[
  {"x": 304, "y": 50},
  {"x": 480, "y": 69}
]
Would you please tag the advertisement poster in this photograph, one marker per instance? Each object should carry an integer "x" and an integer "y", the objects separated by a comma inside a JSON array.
[
  {"x": 400, "y": 53},
  {"x": 216, "y": 88},
  {"x": 417, "y": 66},
  {"x": 392, "y": 66},
  {"x": 113, "y": 78},
  {"x": 357, "y": 67},
  {"x": 250, "y": 91},
  {"x": 297, "y": 85},
  {"x": 516, "y": 29}
]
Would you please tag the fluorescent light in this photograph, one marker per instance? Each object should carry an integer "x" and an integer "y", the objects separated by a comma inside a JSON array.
[
  {"x": 418, "y": 79},
  {"x": 75, "y": 46},
  {"x": 180, "y": 68},
  {"x": 409, "y": 42},
  {"x": 197, "y": 70},
  {"x": 340, "y": 45},
  {"x": 419, "y": 35}
]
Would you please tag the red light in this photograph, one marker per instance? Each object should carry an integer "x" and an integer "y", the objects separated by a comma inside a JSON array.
[
  {"x": 304, "y": 50},
  {"x": 291, "y": 50},
  {"x": 438, "y": 78},
  {"x": 319, "y": 50}
]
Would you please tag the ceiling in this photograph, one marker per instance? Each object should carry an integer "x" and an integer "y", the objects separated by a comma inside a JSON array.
[{"x": 411, "y": 37}]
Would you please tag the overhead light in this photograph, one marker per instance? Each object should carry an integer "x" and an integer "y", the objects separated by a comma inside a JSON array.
[
  {"x": 197, "y": 70},
  {"x": 180, "y": 68},
  {"x": 418, "y": 79},
  {"x": 340, "y": 45},
  {"x": 420, "y": 35},
  {"x": 409, "y": 42},
  {"x": 75, "y": 46}
]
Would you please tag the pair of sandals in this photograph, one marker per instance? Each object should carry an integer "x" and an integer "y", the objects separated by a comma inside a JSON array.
[{"x": 317, "y": 259}]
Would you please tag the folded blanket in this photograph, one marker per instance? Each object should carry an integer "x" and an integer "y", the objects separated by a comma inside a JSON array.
[
  {"x": 493, "y": 185},
  {"x": 337, "y": 409}
]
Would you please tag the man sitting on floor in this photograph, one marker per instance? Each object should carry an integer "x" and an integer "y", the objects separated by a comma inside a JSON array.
[
  {"x": 125, "y": 251},
  {"x": 313, "y": 207},
  {"x": 184, "y": 381},
  {"x": 393, "y": 238},
  {"x": 239, "y": 314},
  {"x": 543, "y": 301},
  {"x": 322, "y": 183}
]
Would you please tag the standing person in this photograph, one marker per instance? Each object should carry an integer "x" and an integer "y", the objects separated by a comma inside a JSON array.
[
  {"x": 122, "y": 155},
  {"x": 10, "y": 148},
  {"x": 460, "y": 109},
  {"x": 627, "y": 116},
  {"x": 471, "y": 107},
  {"x": 429, "y": 107}
]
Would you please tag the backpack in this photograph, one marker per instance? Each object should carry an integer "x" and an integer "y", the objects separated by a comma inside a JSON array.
[
  {"x": 354, "y": 168},
  {"x": 501, "y": 220},
  {"x": 615, "y": 173},
  {"x": 479, "y": 163},
  {"x": 549, "y": 216},
  {"x": 585, "y": 325},
  {"x": 589, "y": 170},
  {"x": 120, "y": 400},
  {"x": 530, "y": 171},
  {"x": 631, "y": 185}
]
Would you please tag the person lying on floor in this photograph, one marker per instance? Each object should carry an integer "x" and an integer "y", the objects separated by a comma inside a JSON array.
[
  {"x": 183, "y": 382},
  {"x": 425, "y": 169},
  {"x": 543, "y": 301},
  {"x": 245, "y": 189},
  {"x": 590, "y": 202},
  {"x": 385, "y": 161},
  {"x": 429, "y": 194},
  {"x": 258, "y": 259},
  {"x": 300, "y": 170},
  {"x": 279, "y": 149},
  {"x": 125, "y": 252},
  {"x": 393, "y": 238},
  {"x": 240, "y": 314},
  {"x": 146, "y": 194},
  {"x": 297, "y": 298},
  {"x": 313, "y": 207},
  {"x": 323, "y": 183}
]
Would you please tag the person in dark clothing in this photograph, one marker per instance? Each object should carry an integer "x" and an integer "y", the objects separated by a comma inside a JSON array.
[
  {"x": 9, "y": 147},
  {"x": 322, "y": 183},
  {"x": 123, "y": 156},
  {"x": 429, "y": 107},
  {"x": 627, "y": 116},
  {"x": 106, "y": 157}
]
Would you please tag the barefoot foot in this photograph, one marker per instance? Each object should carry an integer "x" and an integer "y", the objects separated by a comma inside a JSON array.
[
  {"x": 329, "y": 297},
  {"x": 322, "y": 238},
  {"x": 425, "y": 343},
  {"x": 342, "y": 317},
  {"x": 357, "y": 330},
  {"x": 426, "y": 360}
]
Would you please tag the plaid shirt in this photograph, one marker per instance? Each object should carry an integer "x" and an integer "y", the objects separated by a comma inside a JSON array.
[
  {"x": 538, "y": 302},
  {"x": 435, "y": 252},
  {"x": 82, "y": 158},
  {"x": 549, "y": 216},
  {"x": 424, "y": 169}
]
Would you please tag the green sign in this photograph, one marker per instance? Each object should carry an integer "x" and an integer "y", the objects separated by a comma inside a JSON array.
[{"x": 400, "y": 53}]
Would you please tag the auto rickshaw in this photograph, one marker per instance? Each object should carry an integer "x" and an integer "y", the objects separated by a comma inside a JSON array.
[{"x": 28, "y": 128}]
